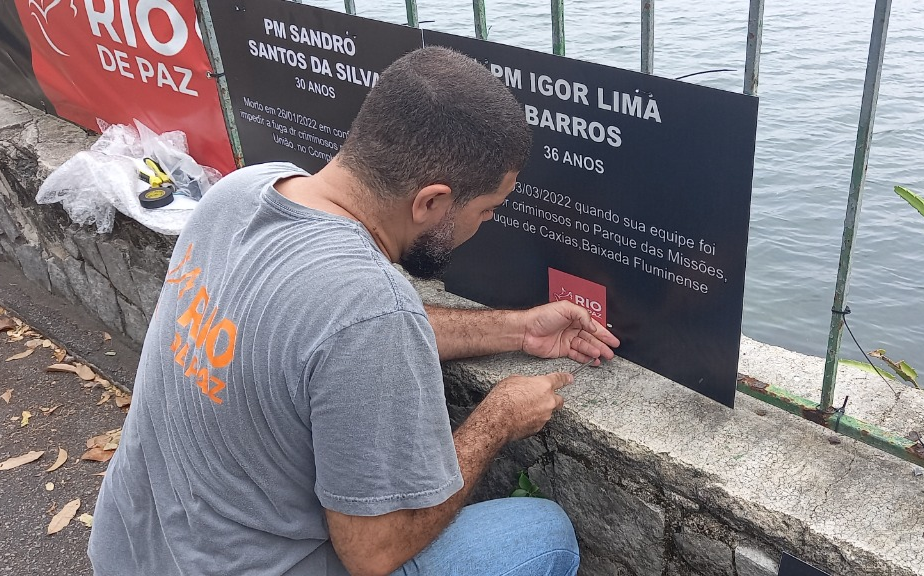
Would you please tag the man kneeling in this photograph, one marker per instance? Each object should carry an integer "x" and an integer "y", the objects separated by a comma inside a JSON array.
[{"x": 288, "y": 415}]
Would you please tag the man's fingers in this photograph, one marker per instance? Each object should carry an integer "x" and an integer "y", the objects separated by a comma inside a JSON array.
[
  {"x": 602, "y": 339},
  {"x": 586, "y": 345},
  {"x": 587, "y": 321},
  {"x": 572, "y": 312},
  {"x": 590, "y": 326},
  {"x": 604, "y": 335},
  {"x": 588, "y": 349},
  {"x": 559, "y": 402},
  {"x": 560, "y": 379}
]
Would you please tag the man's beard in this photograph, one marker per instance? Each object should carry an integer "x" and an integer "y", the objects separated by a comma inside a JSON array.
[{"x": 428, "y": 256}]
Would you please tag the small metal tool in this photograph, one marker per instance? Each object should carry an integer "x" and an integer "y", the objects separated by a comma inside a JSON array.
[{"x": 582, "y": 366}]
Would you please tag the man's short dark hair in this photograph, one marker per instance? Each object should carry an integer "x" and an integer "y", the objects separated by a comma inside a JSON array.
[{"x": 436, "y": 116}]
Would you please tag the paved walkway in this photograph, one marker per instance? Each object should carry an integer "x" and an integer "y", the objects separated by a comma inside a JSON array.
[{"x": 65, "y": 411}]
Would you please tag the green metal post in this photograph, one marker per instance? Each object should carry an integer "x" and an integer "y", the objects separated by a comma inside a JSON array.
[
  {"x": 647, "y": 37},
  {"x": 752, "y": 55},
  {"x": 412, "y": 20},
  {"x": 349, "y": 6},
  {"x": 558, "y": 27},
  {"x": 224, "y": 96},
  {"x": 481, "y": 23},
  {"x": 857, "y": 179}
]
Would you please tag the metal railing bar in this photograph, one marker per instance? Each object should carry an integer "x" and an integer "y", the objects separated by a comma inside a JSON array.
[
  {"x": 854, "y": 199},
  {"x": 224, "y": 96},
  {"x": 412, "y": 20},
  {"x": 558, "y": 27},
  {"x": 481, "y": 22},
  {"x": 349, "y": 6},
  {"x": 910, "y": 450},
  {"x": 752, "y": 55},
  {"x": 647, "y": 37}
]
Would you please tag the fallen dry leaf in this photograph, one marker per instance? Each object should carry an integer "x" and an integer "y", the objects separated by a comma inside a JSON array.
[
  {"x": 115, "y": 436},
  {"x": 11, "y": 463},
  {"x": 64, "y": 516},
  {"x": 59, "y": 461},
  {"x": 104, "y": 398},
  {"x": 101, "y": 440},
  {"x": 103, "y": 473},
  {"x": 107, "y": 336},
  {"x": 25, "y": 418},
  {"x": 61, "y": 368},
  {"x": 21, "y": 355},
  {"x": 97, "y": 454},
  {"x": 20, "y": 332},
  {"x": 98, "y": 441},
  {"x": 85, "y": 372},
  {"x": 48, "y": 411},
  {"x": 109, "y": 353},
  {"x": 60, "y": 354},
  {"x": 35, "y": 343},
  {"x": 7, "y": 395},
  {"x": 6, "y": 323},
  {"x": 46, "y": 343},
  {"x": 49, "y": 486},
  {"x": 86, "y": 520},
  {"x": 106, "y": 442},
  {"x": 123, "y": 400}
]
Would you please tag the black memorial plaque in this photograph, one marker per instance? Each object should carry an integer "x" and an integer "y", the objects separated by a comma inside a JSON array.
[
  {"x": 791, "y": 566},
  {"x": 635, "y": 204},
  {"x": 298, "y": 74}
]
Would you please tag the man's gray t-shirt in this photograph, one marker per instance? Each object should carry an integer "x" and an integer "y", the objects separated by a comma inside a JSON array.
[{"x": 288, "y": 367}]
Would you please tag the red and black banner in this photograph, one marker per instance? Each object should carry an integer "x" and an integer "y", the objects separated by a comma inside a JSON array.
[{"x": 116, "y": 60}]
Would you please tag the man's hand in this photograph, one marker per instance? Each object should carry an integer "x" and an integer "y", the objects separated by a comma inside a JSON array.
[
  {"x": 553, "y": 330},
  {"x": 563, "y": 328},
  {"x": 523, "y": 404}
]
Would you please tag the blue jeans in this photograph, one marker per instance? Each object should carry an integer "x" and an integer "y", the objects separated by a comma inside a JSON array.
[{"x": 505, "y": 537}]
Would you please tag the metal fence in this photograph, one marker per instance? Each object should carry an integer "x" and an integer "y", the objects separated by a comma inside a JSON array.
[{"x": 821, "y": 412}]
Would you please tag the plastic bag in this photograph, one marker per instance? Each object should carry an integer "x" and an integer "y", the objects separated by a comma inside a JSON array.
[{"x": 93, "y": 184}]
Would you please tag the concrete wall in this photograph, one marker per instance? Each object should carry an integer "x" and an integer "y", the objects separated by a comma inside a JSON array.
[
  {"x": 657, "y": 479},
  {"x": 116, "y": 277},
  {"x": 662, "y": 481}
]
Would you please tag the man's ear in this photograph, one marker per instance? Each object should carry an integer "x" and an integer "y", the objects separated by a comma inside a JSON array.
[{"x": 430, "y": 204}]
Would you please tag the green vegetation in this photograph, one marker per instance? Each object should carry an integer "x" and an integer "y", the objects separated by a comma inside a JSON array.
[
  {"x": 526, "y": 488},
  {"x": 916, "y": 201},
  {"x": 901, "y": 368}
]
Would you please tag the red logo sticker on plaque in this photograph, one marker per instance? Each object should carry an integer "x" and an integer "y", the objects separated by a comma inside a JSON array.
[{"x": 584, "y": 293}]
